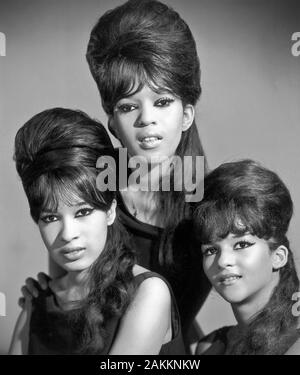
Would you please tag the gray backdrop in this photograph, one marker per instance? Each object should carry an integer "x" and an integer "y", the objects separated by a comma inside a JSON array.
[{"x": 249, "y": 107}]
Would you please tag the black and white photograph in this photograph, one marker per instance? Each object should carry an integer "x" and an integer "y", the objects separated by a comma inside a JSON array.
[{"x": 150, "y": 184}]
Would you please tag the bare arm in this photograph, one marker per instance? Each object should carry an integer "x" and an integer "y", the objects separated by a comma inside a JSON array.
[
  {"x": 210, "y": 348},
  {"x": 146, "y": 325},
  {"x": 294, "y": 349},
  {"x": 20, "y": 338}
]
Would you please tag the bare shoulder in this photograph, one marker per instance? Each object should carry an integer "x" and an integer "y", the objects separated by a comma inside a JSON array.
[
  {"x": 153, "y": 284},
  {"x": 138, "y": 270},
  {"x": 294, "y": 349},
  {"x": 20, "y": 337},
  {"x": 205, "y": 343},
  {"x": 213, "y": 344},
  {"x": 155, "y": 291},
  {"x": 146, "y": 324}
]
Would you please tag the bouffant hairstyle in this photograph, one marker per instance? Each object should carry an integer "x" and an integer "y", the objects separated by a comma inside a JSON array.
[
  {"x": 242, "y": 197},
  {"x": 56, "y": 153},
  {"x": 145, "y": 42}
]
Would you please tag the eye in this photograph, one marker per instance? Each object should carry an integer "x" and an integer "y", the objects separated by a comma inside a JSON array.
[
  {"x": 84, "y": 212},
  {"x": 242, "y": 245},
  {"x": 208, "y": 251},
  {"x": 49, "y": 218},
  {"x": 125, "y": 108},
  {"x": 164, "y": 102}
]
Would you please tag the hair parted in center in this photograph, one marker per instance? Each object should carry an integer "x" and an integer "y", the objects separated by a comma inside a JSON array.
[{"x": 146, "y": 42}]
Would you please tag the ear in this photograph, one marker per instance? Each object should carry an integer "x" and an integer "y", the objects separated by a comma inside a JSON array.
[
  {"x": 279, "y": 257},
  {"x": 112, "y": 127},
  {"x": 111, "y": 213},
  {"x": 188, "y": 116}
]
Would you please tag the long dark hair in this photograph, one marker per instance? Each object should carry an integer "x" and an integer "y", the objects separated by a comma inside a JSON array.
[
  {"x": 56, "y": 153},
  {"x": 262, "y": 203},
  {"x": 145, "y": 42}
]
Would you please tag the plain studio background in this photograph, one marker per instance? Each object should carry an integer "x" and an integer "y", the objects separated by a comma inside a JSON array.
[{"x": 250, "y": 106}]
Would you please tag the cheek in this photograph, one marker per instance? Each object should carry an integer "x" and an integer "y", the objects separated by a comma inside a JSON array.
[
  {"x": 99, "y": 236},
  {"x": 49, "y": 234},
  {"x": 176, "y": 118},
  {"x": 175, "y": 130},
  {"x": 260, "y": 266},
  {"x": 96, "y": 231},
  {"x": 124, "y": 126},
  {"x": 126, "y": 135},
  {"x": 208, "y": 268}
]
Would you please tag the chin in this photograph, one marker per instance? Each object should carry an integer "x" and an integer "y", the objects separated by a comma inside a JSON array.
[
  {"x": 76, "y": 266},
  {"x": 233, "y": 298}
]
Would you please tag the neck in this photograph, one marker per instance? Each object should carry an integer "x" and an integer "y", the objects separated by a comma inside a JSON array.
[
  {"x": 147, "y": 178},
  {"x": 77, "y": 278},
  {"x": 72, "y": 286},
  {"x": 141, "y": 195},
  {"x": 247, "y": 310},
  {"x": 142, "y": 205}
]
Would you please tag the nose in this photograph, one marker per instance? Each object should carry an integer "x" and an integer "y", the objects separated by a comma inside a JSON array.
[
  {"x": 69, "y": 230},
  {"x": 146, "y": 116},
  {"x": 226, "y": 258}
]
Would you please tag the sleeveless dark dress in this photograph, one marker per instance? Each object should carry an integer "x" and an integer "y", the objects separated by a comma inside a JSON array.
[
  {"x": 219, "y": 342},
  {"x": 188, "y": 281},
  {"x": 52, "y": 330}
]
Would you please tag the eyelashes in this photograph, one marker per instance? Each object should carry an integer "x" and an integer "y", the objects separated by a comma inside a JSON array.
[
  {"x": 125, "y": 108},
  {"x": 243, "y": 244},
  {"x": 164, "y": 102},
  {"x": 239, "y": 245},
  {"x": 209, "y": 251},
  {"x": 129, "y": 107},
  {"x": 82, "y": 212},
  {"x": 49, "y": 218}
]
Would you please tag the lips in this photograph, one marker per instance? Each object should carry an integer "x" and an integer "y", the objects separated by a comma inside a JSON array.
[
  {"x": 73, "y": 253},
  {"x": 150, "y": 140},
  {"x": 228, "y": 279}
]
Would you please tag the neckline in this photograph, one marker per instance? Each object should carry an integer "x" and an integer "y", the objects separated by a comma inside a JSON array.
[
  {"x": 54, "y": 304},
  {"x": 124, "y": 208}
]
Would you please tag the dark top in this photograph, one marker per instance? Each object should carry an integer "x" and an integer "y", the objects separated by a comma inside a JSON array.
[
  {"x": 187, "y": 279},
  {"x": 54, "y": 331},
  {"x": 219, "y": 341}
]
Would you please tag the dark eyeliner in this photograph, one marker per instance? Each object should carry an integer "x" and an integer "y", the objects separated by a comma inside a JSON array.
[{"x": 89, "y": 209}]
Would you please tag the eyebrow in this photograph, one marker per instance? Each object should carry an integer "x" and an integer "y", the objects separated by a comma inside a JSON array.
[
  {"x": 163, "y": 91},
  {"x": 79, "y": 204}
]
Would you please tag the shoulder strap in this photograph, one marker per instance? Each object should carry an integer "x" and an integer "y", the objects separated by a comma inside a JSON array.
[
  {"x": 146, "y": 275},
  {"x": 174, "y": 309}
]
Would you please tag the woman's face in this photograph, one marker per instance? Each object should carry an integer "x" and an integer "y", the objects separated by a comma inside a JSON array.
[
  {"x": 150, "y": 124},
  {"x": 75, "y": 235},
  {"x": 240, "y": 268}
]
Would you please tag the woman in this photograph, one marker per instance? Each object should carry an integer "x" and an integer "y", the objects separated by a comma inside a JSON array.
[
  {"x": 104, "y": 303},
  {"x": 143, "y": 58},
  {"x": 241, "y": 226}
]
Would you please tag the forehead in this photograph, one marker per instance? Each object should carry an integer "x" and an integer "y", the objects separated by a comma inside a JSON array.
[
  {"x": 147, "y": 90},
  {"x": 62, "y": 200}
]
